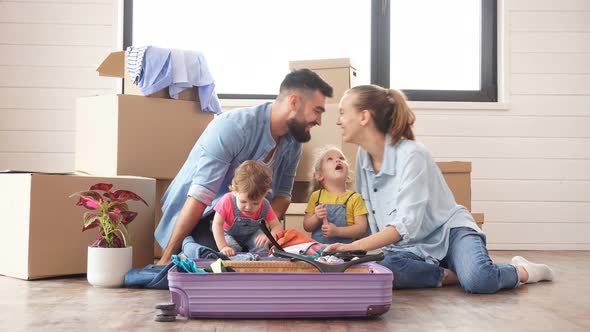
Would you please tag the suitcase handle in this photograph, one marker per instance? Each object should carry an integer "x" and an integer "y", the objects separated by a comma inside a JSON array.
[
  {"x": 268, "y": 234},
  {"x": 322, "y": 267}
]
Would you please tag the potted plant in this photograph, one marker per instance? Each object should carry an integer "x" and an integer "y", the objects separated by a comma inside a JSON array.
[{"x": 110, "y": 256}]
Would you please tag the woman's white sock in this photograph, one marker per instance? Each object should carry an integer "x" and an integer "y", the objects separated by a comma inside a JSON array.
[{"x": 537, "y": 272}]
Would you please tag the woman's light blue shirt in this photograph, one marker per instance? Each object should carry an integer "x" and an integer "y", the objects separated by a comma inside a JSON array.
[
  {"x": 410, "y": 193},
  {"x": 230, "y": 139}
]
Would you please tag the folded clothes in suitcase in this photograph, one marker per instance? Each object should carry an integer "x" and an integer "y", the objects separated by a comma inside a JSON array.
[{"x": 281, "y": 289}]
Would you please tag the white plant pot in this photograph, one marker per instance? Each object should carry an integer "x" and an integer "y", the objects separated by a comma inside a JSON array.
[{"x": 107, "y": 266}]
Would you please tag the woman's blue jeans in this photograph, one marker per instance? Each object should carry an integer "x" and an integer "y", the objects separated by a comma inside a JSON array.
[{"x": 467, "y": 257}]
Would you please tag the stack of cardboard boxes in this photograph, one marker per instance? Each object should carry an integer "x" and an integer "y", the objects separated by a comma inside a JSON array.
[
  {"x": 134, "y": 142},
  {"x": 147, "y": 136},
  {"x": 341, "y": 74}
]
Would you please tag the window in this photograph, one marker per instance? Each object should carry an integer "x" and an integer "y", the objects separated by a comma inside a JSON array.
[
  {"x": 433, "y": 50},
  {"x": 248, "y": 44}
]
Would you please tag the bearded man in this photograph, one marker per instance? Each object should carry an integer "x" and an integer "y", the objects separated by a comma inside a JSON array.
[{"x": 271, "y": 132}]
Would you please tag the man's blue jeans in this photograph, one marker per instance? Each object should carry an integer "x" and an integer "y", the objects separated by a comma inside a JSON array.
[{"x": 467, "y": 257}]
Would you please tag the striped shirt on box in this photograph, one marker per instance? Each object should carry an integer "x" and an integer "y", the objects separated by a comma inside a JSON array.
[{"x": 135, "y": 62}]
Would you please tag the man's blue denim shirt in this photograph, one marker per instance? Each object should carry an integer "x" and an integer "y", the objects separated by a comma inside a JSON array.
[{"x": 230, "y": 139}]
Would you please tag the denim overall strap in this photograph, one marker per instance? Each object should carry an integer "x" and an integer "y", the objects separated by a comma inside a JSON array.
[
  {"x": 317, "y": 202},
  {"x": 235, "y": 205},
  {"x": 336, "y": 216},
  {"x": 348, "y": 198},
  {"x": 264, "y": 210}
]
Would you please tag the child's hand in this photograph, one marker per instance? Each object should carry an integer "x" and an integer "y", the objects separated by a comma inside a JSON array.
[
  {"x": 321, "y": 212},
  {"x": 228, "y": 251},
  {"x": 328, "y": 229},
  {"x": 261, "y": 240}
]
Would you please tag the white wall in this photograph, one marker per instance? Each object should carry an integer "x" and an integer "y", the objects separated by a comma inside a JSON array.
[
  {"x": 531, "y": 159},
  {"x": 49, "y": 51}
]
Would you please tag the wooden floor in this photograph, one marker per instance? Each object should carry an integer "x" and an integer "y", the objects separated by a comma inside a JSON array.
[{"x": 70, "y": 304}]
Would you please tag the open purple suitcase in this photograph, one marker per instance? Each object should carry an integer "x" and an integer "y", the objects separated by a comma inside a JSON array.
[{"x": 280, "y": 289}]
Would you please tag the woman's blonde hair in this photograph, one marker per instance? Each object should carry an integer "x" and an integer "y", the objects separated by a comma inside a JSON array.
[
  {"x": 253, "y": 178},
  {"x": 390, "y": 110},
  {"x": 317, "y": 166}
]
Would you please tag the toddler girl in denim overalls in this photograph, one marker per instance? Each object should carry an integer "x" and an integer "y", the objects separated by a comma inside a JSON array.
[
  {"x": 333, "y": 213},
  {"x": 239, "y": 213}
]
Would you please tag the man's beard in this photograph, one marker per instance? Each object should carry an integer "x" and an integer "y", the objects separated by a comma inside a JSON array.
[{"x": 297, "y": 130}]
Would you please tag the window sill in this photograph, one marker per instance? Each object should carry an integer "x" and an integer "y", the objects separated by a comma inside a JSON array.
[{"x": 453, "y": 105}]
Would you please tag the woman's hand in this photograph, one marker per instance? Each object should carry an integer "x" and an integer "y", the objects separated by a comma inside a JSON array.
[
  {"x": 228, "y": 251},
  {"x": 343, "y": 246}
]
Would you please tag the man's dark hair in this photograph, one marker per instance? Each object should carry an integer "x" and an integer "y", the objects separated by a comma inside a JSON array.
[{"x": 305, "y": 80}]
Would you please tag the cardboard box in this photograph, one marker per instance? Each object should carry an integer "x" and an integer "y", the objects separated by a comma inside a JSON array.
[
  {"x": 115, "y": 64},
  {"x": 457, "y": 174},
  {"x": 42, "y": 227},
  {"x": 296, "y": 211},
  {"x": 134, "y": 135},
  {"x": 479, "y": 218},
  {"x": 161, "y": 186},
  {"x": 341, "y": 74}
]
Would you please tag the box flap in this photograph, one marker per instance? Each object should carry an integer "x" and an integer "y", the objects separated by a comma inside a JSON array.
[
  {"x": 454, "y": 166},
  {"x": 113, "y": 65},
  {"x": 321, "y": 64}
]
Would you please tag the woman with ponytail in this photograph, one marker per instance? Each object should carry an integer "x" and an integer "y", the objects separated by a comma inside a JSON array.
[{"x": 428, "y": 239}]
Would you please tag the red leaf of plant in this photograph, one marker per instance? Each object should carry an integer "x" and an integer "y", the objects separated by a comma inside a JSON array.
[
  {"x": 90, "y": 200},
  {"x": 121, "y": 195},
  {"x": 99, "y": 240},
  {"x": 91, "y": 220},
  {"x": 102, "y": 186},
  {"x": 91, "y": 225},
  {"x": 116, "y": 218},
  {"x": 118, "y": 207},
  {"x": 125, "y": 195},
  {"x": 118, "y": 242},
  {"x": 128, "y": 217}
]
